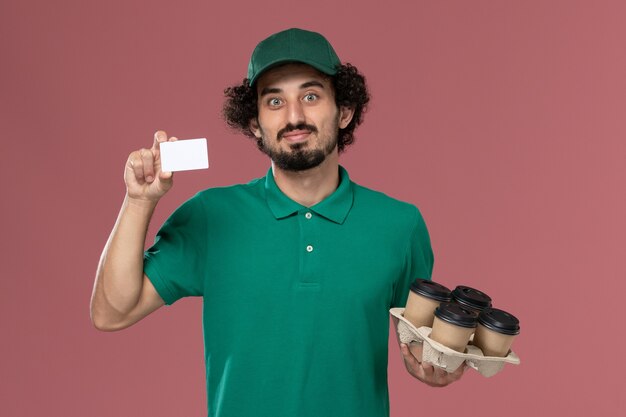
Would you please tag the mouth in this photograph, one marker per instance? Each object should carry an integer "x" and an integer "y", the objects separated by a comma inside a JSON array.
[{"x": 296, "y": 136}]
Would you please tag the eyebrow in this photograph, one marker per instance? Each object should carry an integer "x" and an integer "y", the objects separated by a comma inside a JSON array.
[
  {"x": 274, "y": 90},
  {"x": 312, "y": 84}
]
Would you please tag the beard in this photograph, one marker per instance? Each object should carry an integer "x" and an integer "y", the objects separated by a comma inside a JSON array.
[{"x": 298, "y": 158}]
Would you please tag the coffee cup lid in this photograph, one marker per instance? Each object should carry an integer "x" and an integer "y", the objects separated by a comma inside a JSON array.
[
  {"x": 430, "y": 289},
  {"x": 499, "y": 321},
  {"x": 456, "y": 314},
  {"x": 471, "y": 297}
]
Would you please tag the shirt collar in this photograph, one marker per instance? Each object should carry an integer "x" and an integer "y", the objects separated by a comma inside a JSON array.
[{"x": 335, "y": 207}]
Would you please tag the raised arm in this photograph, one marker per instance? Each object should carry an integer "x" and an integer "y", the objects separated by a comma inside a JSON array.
[{"x": 122, "y": 294}]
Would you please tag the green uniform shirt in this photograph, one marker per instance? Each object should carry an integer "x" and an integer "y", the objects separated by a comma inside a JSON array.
[{"x": 296, "y": 299}]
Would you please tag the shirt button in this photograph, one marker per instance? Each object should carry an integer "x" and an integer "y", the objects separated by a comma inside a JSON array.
[
  {"x": 309, "y": 248},
  {"x": 308, "y": 215}
]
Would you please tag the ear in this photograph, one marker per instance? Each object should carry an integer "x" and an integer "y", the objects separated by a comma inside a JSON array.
[
  {"x": 345, "y": 116},
  {"x": 253, "y": 125}
]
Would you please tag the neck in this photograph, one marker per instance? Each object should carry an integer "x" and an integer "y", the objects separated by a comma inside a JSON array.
[{"x": 311, "y": 186}]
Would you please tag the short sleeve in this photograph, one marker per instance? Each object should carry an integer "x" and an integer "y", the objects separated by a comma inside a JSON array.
[
  {"x": 175, "y": 262},
  {"x": 418, "y": 261}
]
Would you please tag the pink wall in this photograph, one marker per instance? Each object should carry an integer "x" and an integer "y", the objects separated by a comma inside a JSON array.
[{"x": 503, "y": 121}]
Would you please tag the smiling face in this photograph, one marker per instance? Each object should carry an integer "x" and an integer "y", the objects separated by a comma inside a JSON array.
[{"x": 298, "y": 119}]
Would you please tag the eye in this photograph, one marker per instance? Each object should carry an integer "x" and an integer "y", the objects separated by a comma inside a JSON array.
[
  {"x": 274, "y": 102},
  {"x": 310, "y": 97}
]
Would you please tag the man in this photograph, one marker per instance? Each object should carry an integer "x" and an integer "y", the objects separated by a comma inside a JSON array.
[{"x": 297, "y": 269}]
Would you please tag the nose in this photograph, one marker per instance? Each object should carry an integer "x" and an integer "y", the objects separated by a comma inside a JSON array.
[{"x": 295, "y": 113}]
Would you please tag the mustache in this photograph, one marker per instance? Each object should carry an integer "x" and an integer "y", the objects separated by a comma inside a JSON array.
[{"x": 290, "y": 128}]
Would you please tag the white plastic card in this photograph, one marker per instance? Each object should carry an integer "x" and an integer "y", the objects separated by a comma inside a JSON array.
[{"x": 184, "y": 155}]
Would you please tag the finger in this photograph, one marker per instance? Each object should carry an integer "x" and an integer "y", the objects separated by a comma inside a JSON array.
[
  {"x": 428, "y": 370},
  {"x": 408, "y": 356},
  {"x": 416, "y": 350},
  {"x": 434, "y": 375},
  {"x": 148, "y": 164},
  {"x": 439, "y": 372},
  {"x": 159, "y": 136},
  {"x": 156, "y": 146},
  {"x": 136, "y": 164},
  {"x": 164, "y": 175},
  {"x": 410, "y": 363},
  {"x": 440, "y": 376},
  {"x": 446, "y": 378}
]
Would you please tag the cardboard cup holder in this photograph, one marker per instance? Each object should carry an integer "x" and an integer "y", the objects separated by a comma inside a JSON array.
[{"x": 443, "y": 357}]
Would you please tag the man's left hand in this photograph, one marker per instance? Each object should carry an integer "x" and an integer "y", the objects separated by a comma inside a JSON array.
[{"x": 425, "y": 372}]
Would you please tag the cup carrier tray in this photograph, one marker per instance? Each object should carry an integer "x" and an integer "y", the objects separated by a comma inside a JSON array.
[{"x": 442, "y": 356}]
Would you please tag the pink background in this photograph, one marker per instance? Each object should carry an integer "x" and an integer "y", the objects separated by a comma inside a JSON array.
[{"x": 503, "y": 121}]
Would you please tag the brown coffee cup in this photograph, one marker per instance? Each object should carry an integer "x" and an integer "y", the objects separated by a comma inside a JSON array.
[
  {"x": 495, "y": 332},
  {"x": 424, "y": 297},
  {"x": 471, "y": 298},
  {"x": 453, "y": 326}
]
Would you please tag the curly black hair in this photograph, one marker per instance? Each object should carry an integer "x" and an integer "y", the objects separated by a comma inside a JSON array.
[{"x": 350, "y": 91}]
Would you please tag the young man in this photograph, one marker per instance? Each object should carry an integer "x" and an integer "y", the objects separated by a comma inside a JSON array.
[{"x": 297, "y": 269}]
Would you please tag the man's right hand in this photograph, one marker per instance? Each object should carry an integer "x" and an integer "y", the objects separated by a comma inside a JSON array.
[
  {"x": 143, "y": 176},
  {"x": 123, "y": 294}
]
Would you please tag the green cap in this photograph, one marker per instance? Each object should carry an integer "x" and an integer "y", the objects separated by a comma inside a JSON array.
[{"x": 293, "y": 45}]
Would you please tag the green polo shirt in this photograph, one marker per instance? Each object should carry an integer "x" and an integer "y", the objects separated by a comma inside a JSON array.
[{"x": 296, "y": 299}]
